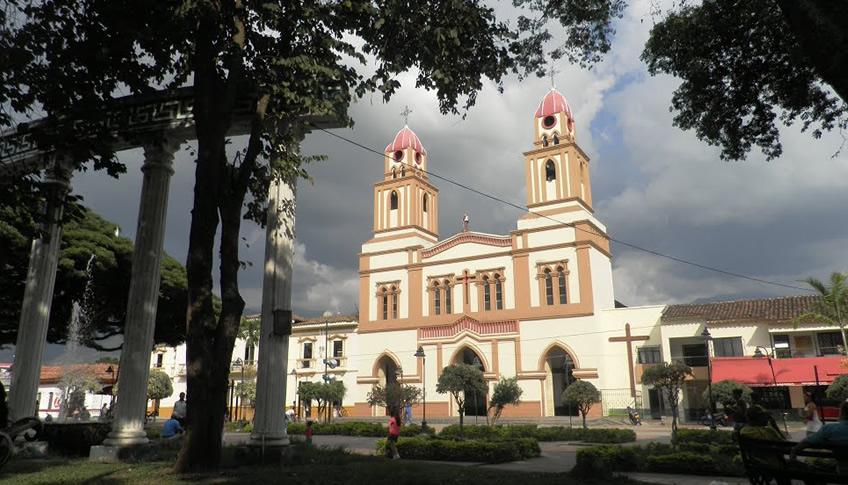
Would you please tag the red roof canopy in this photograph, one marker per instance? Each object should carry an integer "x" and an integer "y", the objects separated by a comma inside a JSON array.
[
  {"x": 406, "y": 138},
  {"x": 795, "y": 371}
]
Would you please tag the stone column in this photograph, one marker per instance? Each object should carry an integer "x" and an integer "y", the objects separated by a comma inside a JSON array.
[
  {"x": 269, "y": 422},
  {"x": 38, "y": 296},
  {"x": 128, "y": 426}
]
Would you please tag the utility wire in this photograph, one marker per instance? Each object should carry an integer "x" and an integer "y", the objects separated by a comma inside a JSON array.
[{"x": 571, "y": 224}]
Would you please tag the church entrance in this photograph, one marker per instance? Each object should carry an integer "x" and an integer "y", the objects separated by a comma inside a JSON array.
[
  {"x": 560, "y": 369},
  {"x": 475, "y": 404},
  {"x": 387, "y": 373}
]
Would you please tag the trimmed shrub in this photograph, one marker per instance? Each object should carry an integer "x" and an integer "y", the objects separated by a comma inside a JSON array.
[
  {"x": 410, "y": 430},
  {"x": 704, "y": 436},
  {"x": 486, "y": 451},
  {"x": 601, "y": 461},
  {"x": 74, "y": 439},
  {"x": 683, "y": 462},
  {"x": 375, "y": 430},
  {"x": 554, "y": 433}
]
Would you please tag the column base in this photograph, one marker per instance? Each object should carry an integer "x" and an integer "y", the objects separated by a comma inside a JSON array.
[
  {"x": 104, "y": 454},
  {"x": 121, "y": 438},
  {"x": 269, "y": 441}
]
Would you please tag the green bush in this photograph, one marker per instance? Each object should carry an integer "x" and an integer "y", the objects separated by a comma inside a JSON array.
[
  {"x": 683, "y": 462},
  {"x": 704, "y": 436},
  {"x": 75, "y": 439},
  {"x": 601, "y": 461},
  {"x": 486, "y": 451},
  {"x": 375, "y": 430},
  {"x": 410, "y": 430},
  {"x": 554, "y": 433}
]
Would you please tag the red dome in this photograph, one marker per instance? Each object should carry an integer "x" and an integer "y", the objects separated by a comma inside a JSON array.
[
  {"x": 553, "y": 103},
  {"x": 406, "y": 138}
]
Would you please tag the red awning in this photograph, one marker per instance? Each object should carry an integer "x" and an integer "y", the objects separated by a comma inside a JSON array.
[{"x": 768, "y": 372}]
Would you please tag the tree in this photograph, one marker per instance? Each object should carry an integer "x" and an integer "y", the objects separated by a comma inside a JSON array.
[
  {"x": 85, "y": 234},
  {"x": 249, "y": 331},
  {"x": 582, "y": 395},
  {"x": 505, "y": 392},
  {"x": 460, "y": 380},
  {"x": 394, "y": 396},
  {"x": 76, "y": 382},
  {"x": 668, "y": 378},
  {"x": 246, "y": 390},
  {"x": 838, "y": 389},
  {"x": 832, "y": 306},
  {"x": 723, "y": 393},
  {"x": 328, "y": 393},
  {"x": 746, "y": 67},
  {"x": 158, "y": 387}
]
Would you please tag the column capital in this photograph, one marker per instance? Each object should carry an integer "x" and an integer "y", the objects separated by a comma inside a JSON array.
[{"x": 159, "y": 153}]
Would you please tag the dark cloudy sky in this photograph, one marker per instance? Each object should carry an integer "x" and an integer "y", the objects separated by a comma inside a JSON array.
[{"x": 654, "y": 186}]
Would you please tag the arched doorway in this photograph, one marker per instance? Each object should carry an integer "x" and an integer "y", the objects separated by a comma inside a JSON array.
[
  {"x": 475, "y": 405},
  {"x": 559, "y": 367},
  {"x": 387, "y": 373}
]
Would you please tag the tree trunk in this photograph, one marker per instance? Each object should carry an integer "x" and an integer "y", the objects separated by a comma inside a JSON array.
[
  {"x": 461, "y": 431},
  {"x": 584, "y": 419}
]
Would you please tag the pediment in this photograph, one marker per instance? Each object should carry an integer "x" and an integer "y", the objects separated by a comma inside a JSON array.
[
  {"x": 467, "y": 325},
  {"x": 467, "y": 238}
]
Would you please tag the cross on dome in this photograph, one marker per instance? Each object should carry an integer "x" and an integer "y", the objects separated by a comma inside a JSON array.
[{"x": 405, "y": 113}]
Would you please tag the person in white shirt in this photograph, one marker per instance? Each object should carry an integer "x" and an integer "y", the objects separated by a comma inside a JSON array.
[{"x": 180, "y": 410}]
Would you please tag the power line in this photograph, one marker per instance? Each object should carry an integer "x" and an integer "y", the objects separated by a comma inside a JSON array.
[{"x": 571, "y": 224}]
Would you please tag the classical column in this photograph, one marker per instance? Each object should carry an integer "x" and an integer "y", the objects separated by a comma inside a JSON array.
[
  {"x": 128, "y": 426},
  {"x": 38, "y": 296},
  {"x": 269, "y": 422}
]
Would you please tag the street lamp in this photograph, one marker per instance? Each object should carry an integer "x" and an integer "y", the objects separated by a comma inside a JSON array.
[
  {"x": 705, "y": 335},
  {"x": 296, "y": 402},
  {"x": 478, "y": 365},
  {"x": 240, "y": 363},
  {"x": 420, "y": 354},
  {"x": 111, "y": 372},
  {"x": 758, "y": 354}
]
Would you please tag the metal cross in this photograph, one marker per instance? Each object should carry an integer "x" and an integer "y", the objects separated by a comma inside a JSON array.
[
  {"x": 405, "y": 114},
  {"x": 553, "y": 72}
]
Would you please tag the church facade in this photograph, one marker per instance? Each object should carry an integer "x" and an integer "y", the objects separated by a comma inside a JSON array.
[{"x": 536, "y": 303}]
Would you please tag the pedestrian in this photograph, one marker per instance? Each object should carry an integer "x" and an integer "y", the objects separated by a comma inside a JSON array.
[
  {"x": 810, "y": 413},
  {"x": 740, "y": 410},
  {"x": 394, "y": 433},
  {"x": 180, "y": 410},
  {"x": 407, "y": 414},
  {"x": 172, "y": 429},
  {"x": 309, "y": 432},
  {"x": 104, "y": 412},
  {"x": 834, "y": 434},
  {"x": 290, "y": 415},
  {"x": 761, "y": 426}
]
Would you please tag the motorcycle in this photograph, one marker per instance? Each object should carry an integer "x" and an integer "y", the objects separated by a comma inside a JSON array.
[
  {"x": 634, "y": 417},
  {"x": 720, "y": 419}
]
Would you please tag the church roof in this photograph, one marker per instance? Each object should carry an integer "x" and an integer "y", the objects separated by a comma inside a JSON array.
[
  {"x": 406, "y": 138},
  {"x": 780, "y": 309},
  {"x": 554, "y": 102}
]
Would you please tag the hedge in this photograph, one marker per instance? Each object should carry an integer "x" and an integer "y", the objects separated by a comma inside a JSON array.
[
  {"x": 375, "y": 430},
  {"x": 554, "y": 433},
  {"x": 690, "y": 458},
  {"x": 486, "y": 451},
  {"x": 704, "y": 436}
]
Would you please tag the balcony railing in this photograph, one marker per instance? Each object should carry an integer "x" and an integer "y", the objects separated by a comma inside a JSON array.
[{"x": 691, "y": 360}]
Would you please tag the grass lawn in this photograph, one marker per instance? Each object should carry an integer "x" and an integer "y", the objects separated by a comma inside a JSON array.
[{"x": 307, "y": 467}]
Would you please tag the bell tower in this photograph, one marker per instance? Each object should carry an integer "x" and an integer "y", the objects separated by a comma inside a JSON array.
[
  {"x": 556, "y": 169},
  {"x": 404, "y": 201}
]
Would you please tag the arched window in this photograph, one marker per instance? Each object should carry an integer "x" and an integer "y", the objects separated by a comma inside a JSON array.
[
  {"x": 550, "y": 171},
  {"x": 556, "y": 140},
  {"x": 385, "y": 301},
  {"x": 544, "y": 140},
  {"x": 487, "y": 294},
  {"x": 437, "y": 299},
  {"x": 403, "y": 171},
  {"x": 393, "y": 200},
  {"x": 448, "y": 289},
  {"x": 561, "y": 278},
  {"x": 498, "y": 292},
  {"x": 426, "y": 199},
  {"x": 394, "y": 172},
  {"x": 394, "y": 303},
  {"x": 549, "y": 287}
]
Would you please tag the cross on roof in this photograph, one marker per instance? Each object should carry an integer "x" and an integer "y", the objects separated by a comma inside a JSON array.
[
  {"x": 553, "y": 72},
  {"x": 405, "y": 114}
]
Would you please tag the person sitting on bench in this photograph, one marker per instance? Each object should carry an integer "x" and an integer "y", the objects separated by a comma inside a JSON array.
[
  {"x": 833, "y": 434},
  {"x": 760, "y": 426}
]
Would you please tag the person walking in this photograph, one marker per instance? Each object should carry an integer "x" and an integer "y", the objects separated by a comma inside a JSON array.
[
  {"x": 394, "y": 433},
  {"x": 810, "y": 413},
  {"x": 180, "y": 410}
]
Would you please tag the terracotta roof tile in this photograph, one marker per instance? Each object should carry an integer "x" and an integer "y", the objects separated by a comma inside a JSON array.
[{"x": 777, "y": 309}]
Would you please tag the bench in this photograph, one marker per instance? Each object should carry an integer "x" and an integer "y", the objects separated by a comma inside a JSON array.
[
  {"x": 11, "y": 432},
  {"x": 768, "y": 462}
]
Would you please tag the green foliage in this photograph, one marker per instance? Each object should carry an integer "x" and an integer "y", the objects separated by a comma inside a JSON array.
[
  {"x": 552, "y": 433},
  {"x": 322, "y": 392},
  {"x": 484, "y": 451},
  {"x": 832, "y": 306},
  {"x": 159, "y": 385},
  {"x": 394, "y": 395},
  {"x": 838, "y": 389},
  {"x": 246, "y": 390},
  {"x": 506, "y": 392},
  {"x": 460, "y": 380},
  {"x": 693, "y": 458},
  {"x": 668, "y": 378},
  {"x": 723, "y": 393},
  {"x": 582, "y": 395},
  {"x": 74, "y": 439},
  {"x": 682, "y": 462},
  {"x": 75, "y": 383},
  {"x": 249, "y": 330},
  {"x": 601, "y": 461},
  {"x": 688, "y": 435}
]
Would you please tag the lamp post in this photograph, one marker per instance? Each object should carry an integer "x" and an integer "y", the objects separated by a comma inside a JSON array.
[
  {"x": 111, "y": 372},
  {"x": 758, "y": 354},
  {"x": 420, "y": 354},
  {"x": 479, "y": 366},
  {"x": 296, "y": 402},
  {"x": 239, "y": 398},
  {"x": 705, "y": 335}
]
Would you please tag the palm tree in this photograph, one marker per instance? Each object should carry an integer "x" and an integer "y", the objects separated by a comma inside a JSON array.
[
  {"x": 832, "y": 307},
  {"x": 249, "y": 330}
]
